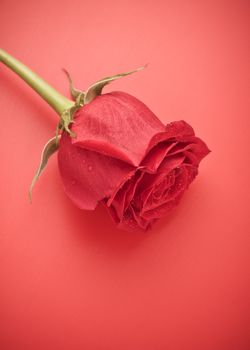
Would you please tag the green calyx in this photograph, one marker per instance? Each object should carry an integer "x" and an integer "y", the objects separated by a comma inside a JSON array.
[
  {"x": 64, "y": 107},
  {"x": 84, "y": 97}
]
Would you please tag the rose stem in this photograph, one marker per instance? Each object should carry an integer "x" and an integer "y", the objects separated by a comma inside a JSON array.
[{"x": 57, "y": 101}]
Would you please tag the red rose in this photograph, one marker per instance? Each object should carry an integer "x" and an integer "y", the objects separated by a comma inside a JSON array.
[
  {"x": 114, "y": 150},
  {"x": 124, "y": 157}
]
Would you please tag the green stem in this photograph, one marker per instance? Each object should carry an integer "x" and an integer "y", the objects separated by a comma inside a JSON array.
[{"x": 57, "y": 101}]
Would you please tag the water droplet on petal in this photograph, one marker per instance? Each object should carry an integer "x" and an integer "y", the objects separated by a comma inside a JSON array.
[{"x": 90, "y": 168}]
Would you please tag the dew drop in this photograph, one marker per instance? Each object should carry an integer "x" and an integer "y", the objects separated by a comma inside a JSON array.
[{"x": 90, "y": 168}]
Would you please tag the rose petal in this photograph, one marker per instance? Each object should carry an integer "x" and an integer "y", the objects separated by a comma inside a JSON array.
[
  {"x": 164, "y": 143},
  {"x": 111, "y": 210},
  {"x": 116, "y": 124},
  {"x": 180, "y": 184},
  {"x": 193, "y": 147},
  {"x": 161, "y": 211},
  {"x": 128, "y": 222},
  {"x": 167, "y": 165},
  {"x": 141, "y": 222},
  {"x": 123, "y": 197},
  {"x": 117, "y": 204},
  {"x": 148, "y": 197},
  {"x": 174, "y": 130},
  {"x": 88, "y": 176},
  {"x": 132, "y": 221},
  {"x": 156, "y": 155},
  {"x": 174, "y": 194}
]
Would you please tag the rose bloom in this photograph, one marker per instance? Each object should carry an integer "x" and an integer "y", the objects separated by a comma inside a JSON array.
[{"x": 124, "y": 157}]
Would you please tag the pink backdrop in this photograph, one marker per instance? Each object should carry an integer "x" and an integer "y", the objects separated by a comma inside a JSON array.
[{"x": 69, "y": 279}]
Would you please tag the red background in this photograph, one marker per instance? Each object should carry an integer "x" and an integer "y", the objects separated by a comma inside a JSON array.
[{"x": 69, "y": 279}]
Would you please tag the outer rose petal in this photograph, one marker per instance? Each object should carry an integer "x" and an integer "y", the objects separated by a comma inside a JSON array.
[
  {"x": 178, "y": 137},
  {"x": 174, "y": 131},
  {"x": 193, "y": 148},
  {"x": 88, "y": 176},
  {"x": 120, "y": 200},
  {"x": 116, "y": 124}
]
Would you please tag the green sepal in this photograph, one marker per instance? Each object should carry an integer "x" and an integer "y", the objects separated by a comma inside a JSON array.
[
  {"x": 50, "y": 148},
  {"x": 66, "y": 119},
  {"x": 73, "y": 91},
  {"x": 96, "y": 88}
]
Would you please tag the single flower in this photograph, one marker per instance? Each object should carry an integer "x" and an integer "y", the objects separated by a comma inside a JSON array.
[{"x": 113, "y": 150}]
